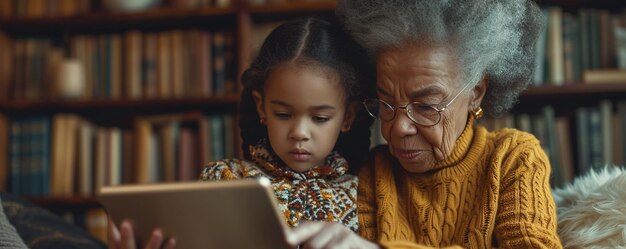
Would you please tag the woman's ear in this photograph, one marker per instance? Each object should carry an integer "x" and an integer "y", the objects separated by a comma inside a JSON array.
[
  {"x": 348, "y": 119},
  {"x": 479, "y": 92},
  {"x": 258, "y": 100}
]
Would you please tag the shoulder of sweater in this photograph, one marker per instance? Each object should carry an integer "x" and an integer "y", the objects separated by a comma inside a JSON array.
[
  {"x": 513, "y": 137},
  {"x": 512, "y": 144}
]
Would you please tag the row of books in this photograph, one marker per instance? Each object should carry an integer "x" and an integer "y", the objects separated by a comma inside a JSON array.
[
  {"x": 262, "y": 2},
  {"x": 64, "y": 8},
  {"x": 133, "y": 65},
  {"x": 43, "y": 8},
  {"x": 592, "y": 138},
  {"x": 66, "y": 155},
  {"x": 588, "y": 46}
]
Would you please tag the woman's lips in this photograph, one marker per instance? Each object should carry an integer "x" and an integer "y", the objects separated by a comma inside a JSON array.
[{"x": 407, "y": 154}]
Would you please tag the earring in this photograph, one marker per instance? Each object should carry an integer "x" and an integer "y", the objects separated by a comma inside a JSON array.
[
  {"x": 262, "y": 120},
  {"x": 478, "y": 113}
]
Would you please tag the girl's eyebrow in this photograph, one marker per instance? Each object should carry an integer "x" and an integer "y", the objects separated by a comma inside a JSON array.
[{"x": 317, "y": 107}]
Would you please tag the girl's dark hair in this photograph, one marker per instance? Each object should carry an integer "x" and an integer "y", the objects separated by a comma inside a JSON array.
[{"x": 312, "y": 42}]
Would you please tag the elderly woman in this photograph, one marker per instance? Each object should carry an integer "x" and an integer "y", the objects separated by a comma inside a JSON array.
[{"x": 442, "y": 180}]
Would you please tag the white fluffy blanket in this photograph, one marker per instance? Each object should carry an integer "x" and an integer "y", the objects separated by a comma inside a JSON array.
[{"x": 592, "y": 210}]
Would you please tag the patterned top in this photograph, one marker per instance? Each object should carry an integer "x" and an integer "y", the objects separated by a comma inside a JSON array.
[{"x": 323, "y": 193}]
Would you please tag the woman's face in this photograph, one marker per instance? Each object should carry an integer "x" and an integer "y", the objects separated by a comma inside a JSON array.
[{"x": 417, "y": 73}]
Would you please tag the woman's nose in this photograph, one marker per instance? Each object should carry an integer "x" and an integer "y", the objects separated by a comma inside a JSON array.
[
  {"x": 402, "y": 125},
  {"x": 299, "y": 131}
]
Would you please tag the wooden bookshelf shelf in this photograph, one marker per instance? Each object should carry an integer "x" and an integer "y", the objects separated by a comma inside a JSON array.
[
  {"x": 576, "y": 89},
  {"x": 186, "y": 103},
  {"x": 293, "y": 7},
  {"x": 103, "y": 21},
  {"x": 568, "y": 97},
  {"x": 615, "y": 5},
  {"x": 74, "y": 200}
]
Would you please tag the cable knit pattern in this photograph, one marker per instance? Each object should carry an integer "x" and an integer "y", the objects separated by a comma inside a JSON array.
[
  {"x": 323, "y": 193},
  {"x": 492, "y": 192}
]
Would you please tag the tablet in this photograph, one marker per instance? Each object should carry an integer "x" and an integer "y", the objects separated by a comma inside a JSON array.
[{"x": 222, "y": 214}]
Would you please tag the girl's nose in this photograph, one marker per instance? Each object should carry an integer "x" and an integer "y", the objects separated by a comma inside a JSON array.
[{"x": 299, "y": 131}]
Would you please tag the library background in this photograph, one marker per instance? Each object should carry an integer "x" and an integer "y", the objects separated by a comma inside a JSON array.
[{"x": 101, "y": 92}]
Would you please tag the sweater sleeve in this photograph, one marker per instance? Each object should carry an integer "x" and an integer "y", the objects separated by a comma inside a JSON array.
[{"x": 527, "y": 213}]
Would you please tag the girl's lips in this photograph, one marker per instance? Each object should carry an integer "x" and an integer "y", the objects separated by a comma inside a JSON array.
[{"x": 300, "y": 156}]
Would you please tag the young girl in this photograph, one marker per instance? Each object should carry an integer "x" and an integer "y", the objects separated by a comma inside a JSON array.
[{"x": 301, "y": 123}]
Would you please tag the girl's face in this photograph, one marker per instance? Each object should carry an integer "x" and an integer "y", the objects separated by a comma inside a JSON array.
[
  {"x": 304, "y": 111},
  {"x": 416, "y": 73}
]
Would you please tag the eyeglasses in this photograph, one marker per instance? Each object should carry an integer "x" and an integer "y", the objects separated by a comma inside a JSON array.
[{"x": 418, "y": 112}]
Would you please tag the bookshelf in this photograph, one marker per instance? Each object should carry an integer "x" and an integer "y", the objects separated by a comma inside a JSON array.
[
  {"x": 128, "y": 106},
  {"x": 580, "y": 124},
  {"x": 247, "y": 23}
]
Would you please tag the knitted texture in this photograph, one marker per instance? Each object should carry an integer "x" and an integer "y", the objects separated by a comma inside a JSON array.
[
  {"x": 492, "y": 191},
  {"x": 8, "y": 235},
  {"x": 323, "y": 193}
]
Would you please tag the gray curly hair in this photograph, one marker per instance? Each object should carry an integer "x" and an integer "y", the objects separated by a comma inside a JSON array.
[{"x": 493, "y": 37}]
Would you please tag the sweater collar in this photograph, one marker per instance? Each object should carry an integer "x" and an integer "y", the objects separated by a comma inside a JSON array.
[
  {"x": 334, "y": 165},
  {"x": 466, "y": 153}
]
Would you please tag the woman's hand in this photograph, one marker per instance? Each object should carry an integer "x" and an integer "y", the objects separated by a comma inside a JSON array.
[
  {"x": 318, "y": 235},
  {"x": 124, "y": 238}
]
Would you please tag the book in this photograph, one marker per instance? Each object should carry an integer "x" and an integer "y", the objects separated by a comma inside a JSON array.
[
  {"x": 582, "y": 140},
  {"x": 60, "y": 162},
  {"x": 164, "y": 65},
  {"x": 149, "y": 65},
  {"x": 6, "y": 64},
  {"x": 128, "y": 165},
  {"x": 168, "y": 150},
  {"x": 15, "y": 157},
  {"x": 566, "y": 158},
  {"x": 132, "y": 61},
  {"x": 606, "y": 121},
  {"x": 142, "y": 145},
  {"x": 179, "y": 64},
  {"x": 619, "y": 28},
  {"x": 187, "y": 154},
  {"x": 595, "y": 139},
  {"x": 116, "y": 62},
  {"x": 555, "y": 47},
  {"x": 604, "y": 76},
  {"x": 552, "y": 143},
  {"x": 219, "y": 63},
  {"x": 571, "y": 50},
  {"x": 85, "y": 159},
  {"x": 621, "y": 113},
  {"x": 6, "y": 9}
]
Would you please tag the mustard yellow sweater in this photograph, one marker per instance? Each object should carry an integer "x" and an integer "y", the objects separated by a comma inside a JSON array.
[{"x": 492, "y": 192}]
